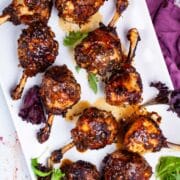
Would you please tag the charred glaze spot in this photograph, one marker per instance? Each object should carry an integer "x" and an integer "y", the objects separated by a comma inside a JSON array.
[
  {"x": 121, "y": 5},
  {"x": 56, "y": 156},
  {"x": 43, "y": 134}
]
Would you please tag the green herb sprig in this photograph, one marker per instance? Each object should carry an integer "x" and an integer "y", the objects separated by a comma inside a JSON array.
[
  {"x": 168, "y": 168},
  {"x": 74, "y": 37},
  {"x": 78, "y": 69},
  {"x": 56, "y": 174},
  {"x": 92, "y": 79}
]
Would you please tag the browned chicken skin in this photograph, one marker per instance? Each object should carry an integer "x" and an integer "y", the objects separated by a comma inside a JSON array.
[
  {"x": 59, "y": 91},
  {"x": 37, "y": 50},
  {"x": 27, "y": 11},
  {"x": 78, "y": 11},
  {"x": 124, "y": 165},
  {"x": 80, "y": 170},
  {"x": 142, "y": 134},
  {"x": 100, "y": 52},
  {"x": 124, "y": 86},
  {"x": 94, "y": 130}
]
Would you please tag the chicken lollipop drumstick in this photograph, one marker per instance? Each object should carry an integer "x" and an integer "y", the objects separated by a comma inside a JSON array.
[
  {"x": 59, "y": 91},
  {"x": 27, "y": 11},
  {"x": 142, "y": 134},
  {"x": 125, "y": 165},
  {"x": 37, "y": 50},
  {"x": 80, "y": 170},
  {"x": 101, "y": 51},
  {"x": 78, "y": 11},
  {"x": 124, "y": 84},
  {"x": 94, "y": 130}
]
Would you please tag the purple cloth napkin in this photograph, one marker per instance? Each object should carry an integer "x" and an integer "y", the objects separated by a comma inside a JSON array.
[{"x": 166, "y": 19}]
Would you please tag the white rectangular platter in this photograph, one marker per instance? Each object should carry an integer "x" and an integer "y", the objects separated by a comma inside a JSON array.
[{"x": 148, "y": 61}]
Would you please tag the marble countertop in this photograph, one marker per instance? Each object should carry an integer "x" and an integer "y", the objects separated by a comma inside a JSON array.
[{"x": 13, "y": 165}]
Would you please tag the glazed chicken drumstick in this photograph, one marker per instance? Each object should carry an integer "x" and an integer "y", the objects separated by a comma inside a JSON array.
[
  {"x": 27, "y": 11},
  {"x": 80, "y": 170},
  {"x": 101, "y": 50},
  {"x": 59, "y": 92},
  {"x": 94, "y": 130},
  {"x": 78, "y": 11},
  {"x": 37, "y": 50},
  {"x": 124, "y": 86},
  {"x": 125, "y": 165},
  {"x": 142, "y": 134}
]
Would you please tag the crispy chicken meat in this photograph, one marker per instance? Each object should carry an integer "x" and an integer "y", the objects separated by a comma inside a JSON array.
[
  {"x": 80, "y": 170},
  {"x": 142, "y": 134},
  {"x": 37, "y": 50},
  {"x": 124, "y": 86},
  {"x": 59, "y": 91},
  {"x": 27, "y": 11},
  {"x": 94, "y": 130},
  {"x": 101, "y": 51},
  {"x": 78, "y": 11},
  {"x": 125, "y": 165}
]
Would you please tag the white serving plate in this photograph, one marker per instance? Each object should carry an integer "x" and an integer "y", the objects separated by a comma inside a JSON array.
[{"x": 148, "y": 61}]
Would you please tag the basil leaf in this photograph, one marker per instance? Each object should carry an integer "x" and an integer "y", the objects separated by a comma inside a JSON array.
[
  {"x": 74, "y": 37},
  {"x": 168, "y": 168},
  {"x": 34, "y": 162},
  {"x": 57, "y": 174},
  {"x": 37, "y": 172},
  {"x": 77, "y": 69},
  {"x": 92, "y": 79}
]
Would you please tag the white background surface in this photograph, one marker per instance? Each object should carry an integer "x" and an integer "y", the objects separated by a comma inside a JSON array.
[
  {"x": 12, "y": 163},
  {"x": 149, "y": 62}
]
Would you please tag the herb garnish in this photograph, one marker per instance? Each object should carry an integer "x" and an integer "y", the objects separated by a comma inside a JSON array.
[
  {"x": 92, "y": 79},
  {"x": 74, "y": 37},
  {"x": 35, "y": 167},
  {"x": 168, "y": 168},
  {"x": 77, "y": 69},
  {"x": 42, "y": 171},
  {"x": 57, "y": 174}
]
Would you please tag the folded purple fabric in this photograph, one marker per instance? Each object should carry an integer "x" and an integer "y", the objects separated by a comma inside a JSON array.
[{"x": 166, "y": 19}]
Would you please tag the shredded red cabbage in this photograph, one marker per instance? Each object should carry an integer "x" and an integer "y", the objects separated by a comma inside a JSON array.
[
  {"x": 166, "y": 96},
  {"x": 32, "y": 108}
]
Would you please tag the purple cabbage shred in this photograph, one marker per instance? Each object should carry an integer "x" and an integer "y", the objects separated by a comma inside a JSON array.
[
  {"x": 163, "y": 95},
  {"x": 166, "y": 96},
  {"x": 32, "y": 108},
  {"x": 174, "y": 102}
]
